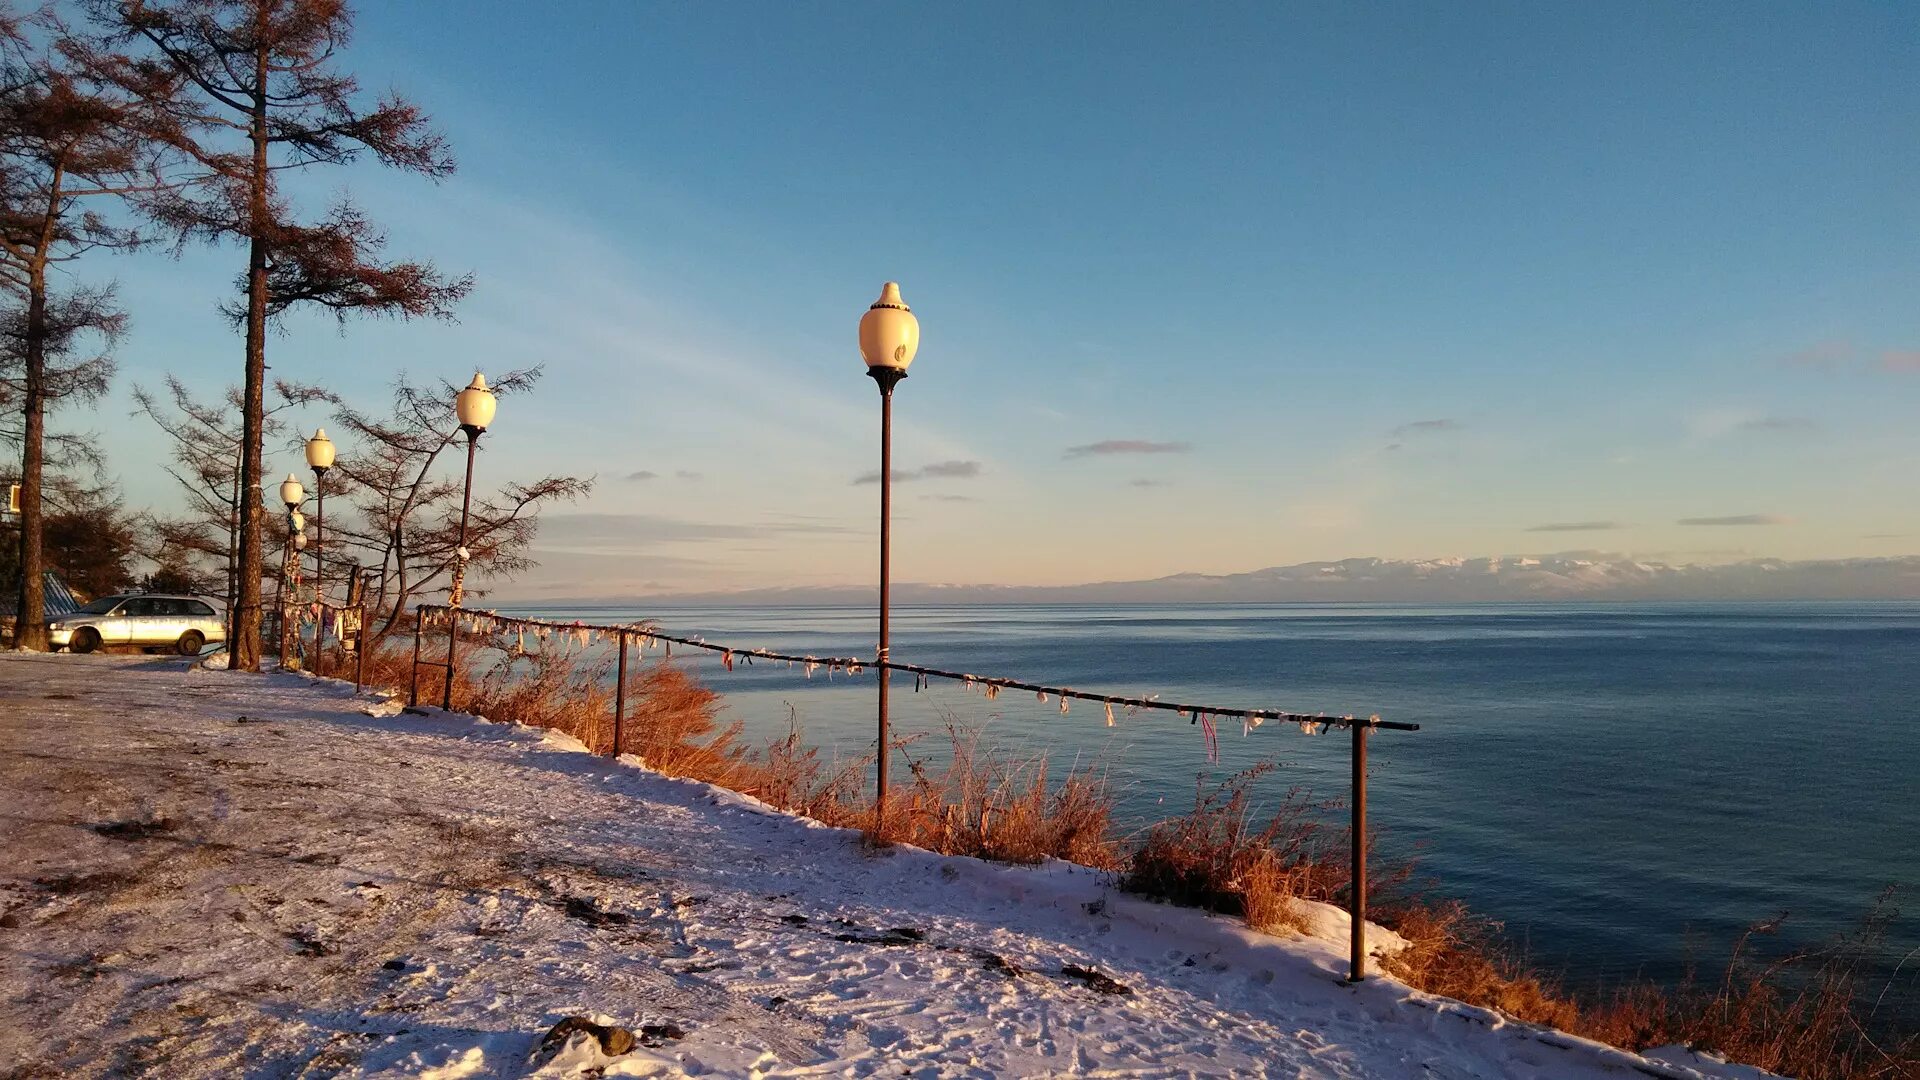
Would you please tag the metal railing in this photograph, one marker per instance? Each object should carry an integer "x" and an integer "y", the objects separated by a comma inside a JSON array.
[{"x": 647, "y": 635}]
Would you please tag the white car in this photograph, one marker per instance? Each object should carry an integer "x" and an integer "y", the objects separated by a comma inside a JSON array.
[{"x": 183, "y": 623}]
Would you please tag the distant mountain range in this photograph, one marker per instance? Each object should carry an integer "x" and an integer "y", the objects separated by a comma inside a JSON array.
[{"x": 1454, "y": 580}]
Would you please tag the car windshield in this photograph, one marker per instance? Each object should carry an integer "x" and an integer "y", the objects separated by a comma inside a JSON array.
[{"x": 100, "y": 606}]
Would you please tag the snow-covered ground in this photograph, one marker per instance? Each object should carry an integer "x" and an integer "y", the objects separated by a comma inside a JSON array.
[{"x": 211, "y": 874}]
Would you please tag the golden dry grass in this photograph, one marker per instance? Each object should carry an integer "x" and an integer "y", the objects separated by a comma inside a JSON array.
[{"x": 1218, "y": 857}]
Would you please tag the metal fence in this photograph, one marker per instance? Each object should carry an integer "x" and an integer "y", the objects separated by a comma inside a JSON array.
[{"x": 646, "y": 636}]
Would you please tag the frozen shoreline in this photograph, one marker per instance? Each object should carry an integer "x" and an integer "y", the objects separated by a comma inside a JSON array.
[{"x": 219, "y": 895}]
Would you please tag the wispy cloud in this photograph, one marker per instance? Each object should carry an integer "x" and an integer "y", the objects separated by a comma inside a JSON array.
[
  {"x": 641, "y": 475},
  {"x": 1437, "y": 424},
  {"x": 1718, "y": 423},
  {"x": 1775, "y": 423},
  {"x": 1145, "y": 482},
  {"x": 939, "y": 470},
  {"x": 952, "y": 469},
  {"x": 620, "y": 533},
  {"x": 1900, "y": 360},
  {"x": 950, "y": 498},
  {"x": 689, "y": 474},
  {"x": 1821, "y": 356},
  {"x": 1738, "y": 519},
  {"x": 1576, "y": 526},
  {"x": 1127, "y": 446}
]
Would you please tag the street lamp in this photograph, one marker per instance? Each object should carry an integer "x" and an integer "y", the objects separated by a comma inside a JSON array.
[
  {"x": 319, "y": 459},
  {"x": 291, "y": 494},
  {"x": 889, "y": 336},
  {"x": 474, "y": 407}
]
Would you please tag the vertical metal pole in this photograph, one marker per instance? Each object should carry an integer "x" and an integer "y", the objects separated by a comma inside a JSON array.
[
  {"x": 886, "y": 572},
  {"x": 460, "y": 568},
  {"x": 360, "y": 649},
  {"x": 1357, "y": 905},
  {"x": 419, "y": 625},
  {"x": 620, "y": 698},
  {"x": 319, "y": 596},
  {"x": 284, "y": 603}
]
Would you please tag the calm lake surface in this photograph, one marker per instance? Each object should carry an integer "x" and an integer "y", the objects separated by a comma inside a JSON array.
[{"x": 1616, "y": 783}]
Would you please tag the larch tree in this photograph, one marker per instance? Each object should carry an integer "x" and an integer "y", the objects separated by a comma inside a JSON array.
[
  {"x": 69, "y": 141},
  {"x": 406, "y": 500},
  {"x": 268, "y": 98},
  {"x": 206, "y": 462}
]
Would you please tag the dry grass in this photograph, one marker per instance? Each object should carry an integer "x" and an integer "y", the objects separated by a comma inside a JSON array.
[
  {"x": 985, "y": 803},
  {"x": 1218, "y": 858},
  {"x": 1804, "y": 1013},
  {"x": 1798, "y": 1014},
  {"x": 1454, "y": 953}
]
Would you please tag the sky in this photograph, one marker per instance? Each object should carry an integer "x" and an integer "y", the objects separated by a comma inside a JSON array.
[{"x": 1202, "y": 288}]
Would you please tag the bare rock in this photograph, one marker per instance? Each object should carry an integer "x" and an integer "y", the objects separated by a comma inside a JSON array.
[{"x": 614, "y": 1040}]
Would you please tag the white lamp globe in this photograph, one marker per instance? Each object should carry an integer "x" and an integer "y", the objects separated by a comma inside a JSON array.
[
  {"x": 320, "y": 450},
  {"x": 291, "y": 492},
  {"x": 475, "y": 404},
  {"x": 889, "y": 334}
]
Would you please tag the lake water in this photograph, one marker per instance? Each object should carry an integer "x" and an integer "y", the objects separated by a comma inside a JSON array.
[{"x": 1616, "y": 783}]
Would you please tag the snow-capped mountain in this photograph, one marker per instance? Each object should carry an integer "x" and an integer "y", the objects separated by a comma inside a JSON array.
[{"x": 1572, "y": 576}]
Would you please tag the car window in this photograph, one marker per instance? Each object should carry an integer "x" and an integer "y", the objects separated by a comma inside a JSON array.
[
  {"x": 138, "y": 606},
  {"x": 169, "y": 606},
  {"x": 100, "y": 606},
  {"x": 198, "y": 609}
]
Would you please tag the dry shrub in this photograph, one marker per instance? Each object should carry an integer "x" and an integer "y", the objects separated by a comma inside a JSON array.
[
  {"x": 1801, "y": 1014},
  {"x": 1268, "y": 890},
  {"x": 791, "y": 776},
  {"x": 1454, "y": 953},
  {"x": 988, "y": 804},
  {"x": 670, "y": 724},
  {"x": 1805, "y": 1013},
  {"x": 1215, "y": 857}
]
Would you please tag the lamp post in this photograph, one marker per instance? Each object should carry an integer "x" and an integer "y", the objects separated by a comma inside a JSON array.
[
  {"x": 319, "y": 458},
  {"x": 474, "y": 406},
  {"x": 889, "y": 336},
  {"x": 291, "y": 494}
]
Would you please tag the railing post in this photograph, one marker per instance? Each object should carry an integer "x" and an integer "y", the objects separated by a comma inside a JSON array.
[
  {"x": 413, "y": 685},
  {"x": 321, "y": 611},
  {"x": 453, "y": 631},
  {"x": 620, "y": 698},
  {"x": 1357, "y": 902}
]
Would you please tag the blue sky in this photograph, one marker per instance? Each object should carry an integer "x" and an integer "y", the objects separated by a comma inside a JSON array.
[{"x": 1403, "y": 281}]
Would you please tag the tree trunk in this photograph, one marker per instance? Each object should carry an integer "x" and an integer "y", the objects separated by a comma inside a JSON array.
[
  {"x": 245, "y": 645},
  {"x": 30, "y": 618},
  {"x": 233, "y": 554}
]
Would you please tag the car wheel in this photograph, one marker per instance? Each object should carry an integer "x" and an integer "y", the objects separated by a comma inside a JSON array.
[
  {"x": 85, "y": 640},
  {"x": 191, "y": 643}
]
